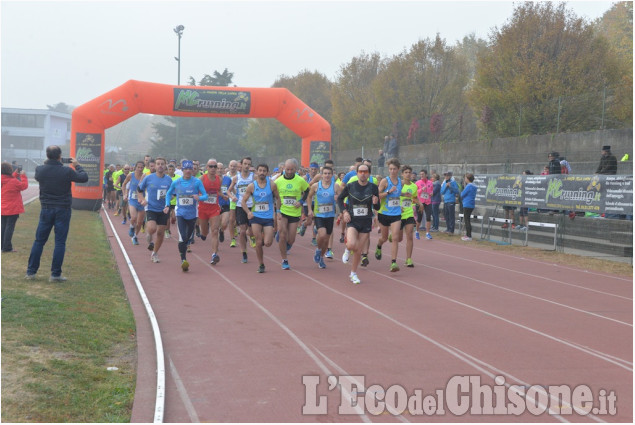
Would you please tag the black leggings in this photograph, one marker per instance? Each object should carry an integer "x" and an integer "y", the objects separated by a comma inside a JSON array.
[
  {"x": 186, "y": 232},
  {"x": 467, "y": 214}
]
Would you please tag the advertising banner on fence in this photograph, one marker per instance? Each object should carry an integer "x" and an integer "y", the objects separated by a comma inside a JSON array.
[{"x": 593, "y": 193}]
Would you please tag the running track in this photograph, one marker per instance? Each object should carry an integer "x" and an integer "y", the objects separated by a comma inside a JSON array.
[{"x": 238, "y": 343}]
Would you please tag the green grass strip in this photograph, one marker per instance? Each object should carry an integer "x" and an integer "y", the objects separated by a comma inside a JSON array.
[{"x": 58, "y": 339}]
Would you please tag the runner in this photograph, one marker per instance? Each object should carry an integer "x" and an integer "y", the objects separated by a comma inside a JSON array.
[
  {"x": 233, "y": 172},
  {"x": 224, "y": 202},
  {"x": 408, "y": 197},
  {"x": 152, "y": 192},
  {"x": 425, "y": 187},
  {"x": 137, "y": 212},
  {"x": 172, "y": 220},
  {"x": 124, "y": 201},
  {"x": 261, "y": 215},
  {"x": 209, "y": 211},
  {"x": 389, "y": 216},
  {"x": 236, "y": 191},
  {"x": 291, "y": 188},
  {"x": 323, "y": 209},
  {"x": 188, "y": 191},
  {"x": 346, "y": 255},
  {"x": 363, "y": 197}
]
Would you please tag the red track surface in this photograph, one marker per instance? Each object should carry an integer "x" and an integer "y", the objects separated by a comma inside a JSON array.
[{"x": 238, "y": 343}]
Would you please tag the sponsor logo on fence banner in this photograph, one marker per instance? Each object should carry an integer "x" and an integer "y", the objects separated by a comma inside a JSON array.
[{"x": 594, "y": 193}]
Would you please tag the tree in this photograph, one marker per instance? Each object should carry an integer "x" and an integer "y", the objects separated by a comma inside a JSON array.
[
  {"x": 539, "y": 70},
  {"x": 267, "y": 137},
  {"x": 352, "y": 100},
  {"x": 202, "y": 138},
  {"x": 430, "y": 78},
  {"x": 61, "y": 107},
  {"x": 616, "y": 25}
]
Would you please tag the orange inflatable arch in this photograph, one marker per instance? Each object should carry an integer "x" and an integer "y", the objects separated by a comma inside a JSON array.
[{"x": 90, "y": 120}]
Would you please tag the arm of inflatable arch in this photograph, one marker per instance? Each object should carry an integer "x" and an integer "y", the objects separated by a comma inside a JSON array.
[{"x": 135, "y": 97}]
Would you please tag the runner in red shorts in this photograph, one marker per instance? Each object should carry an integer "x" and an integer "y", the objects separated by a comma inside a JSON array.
[{"x": 209, "y": 211}]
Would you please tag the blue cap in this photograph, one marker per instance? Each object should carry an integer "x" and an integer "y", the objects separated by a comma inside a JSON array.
[
  {"x": 187, "y": 164},
  {"x": 314, "y": 165},
  {"x": 275, "y": 170}
]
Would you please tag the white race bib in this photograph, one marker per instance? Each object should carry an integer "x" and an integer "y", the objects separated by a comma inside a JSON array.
[
  {"x": 425, "y": 195},
  {"x": 360, "y": 211},
  {"x": 325, "y": 208},
  {"x": 393, "y": 202},
  {"x": 211, "y": 199},
  {"x": 161, "y": 194},
  {"x": 289, "y": 202},
  {"x": 407, "y": 203},
  {"x": 223, "y": 189},
  {"x": 242, "y": 189},
  {"x": 186, "y": 200},
  {"x": 261, "y": 207}
]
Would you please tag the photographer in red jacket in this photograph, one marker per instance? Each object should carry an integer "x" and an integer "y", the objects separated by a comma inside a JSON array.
[{"x": 13, "y": 182}]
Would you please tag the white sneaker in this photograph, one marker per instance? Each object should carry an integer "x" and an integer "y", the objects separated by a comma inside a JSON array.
[
  {"x": 155, "y": 257},
  {"x": 466, "y": 238},
  {"x": 353, "y": 278},
  {"x": 345, "y": 256}
]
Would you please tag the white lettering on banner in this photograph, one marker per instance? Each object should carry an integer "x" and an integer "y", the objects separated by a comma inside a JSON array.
[{"x": 463, "y": 394}]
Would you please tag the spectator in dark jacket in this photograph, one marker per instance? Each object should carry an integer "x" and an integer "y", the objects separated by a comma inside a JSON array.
[
  {"x": 55, "y": 198},
  {"x": 554, "y": 163},
  {"x": 608, "y": 162},
  {"x": 12, "y": 184}
]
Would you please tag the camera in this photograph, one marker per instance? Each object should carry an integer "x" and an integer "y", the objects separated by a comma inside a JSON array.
[
  {"x": 66, "y": 160},
  {"x": 19, "y": 168}
]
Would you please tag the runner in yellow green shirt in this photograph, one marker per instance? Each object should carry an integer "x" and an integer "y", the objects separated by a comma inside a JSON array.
[{"x": 408, "y": 198}]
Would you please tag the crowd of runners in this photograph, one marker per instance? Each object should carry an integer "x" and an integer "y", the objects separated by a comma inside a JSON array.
[{"x": 243, "y": 203}]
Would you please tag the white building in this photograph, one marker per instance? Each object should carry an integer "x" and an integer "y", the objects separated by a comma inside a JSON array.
[{"x": 26, "y": 133}]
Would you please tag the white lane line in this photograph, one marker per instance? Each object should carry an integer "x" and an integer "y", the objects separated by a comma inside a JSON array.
[
  {"x": 627, "y": 280},
  {"x": 495, "y": 316},
  {"x": 185, "y": 398},
  {"x": 529, "y": 295},
  {"x": 555, "y": 400},
  {"x": 343, "y": 372},
  {"x": 526, "y": 295},
  {"x": 530, "y": 275},
  {"x": 436, "y": 343},
  {"x": 288, "y": 331},
  {"x": 158, "y": 343}
]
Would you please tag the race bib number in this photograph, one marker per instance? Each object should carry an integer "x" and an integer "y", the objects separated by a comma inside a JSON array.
[
  {"x": 324, "y": 209},
  {"x": 161, "y": 194},
  {"x": 425, "y": 195},
  {"x": 261, "y": 207},
  {"x": 223, "y": 189},
  {"x": 186, "y": 200},
  {"x": 289, "y": 202},
  {"x": 407, "y": 203},
  {"x": 211, "y": 199},
  {"x": 394, "y": 202},
  {"x": 242, "y": 189},
  {"x": 360, "y": 211}
]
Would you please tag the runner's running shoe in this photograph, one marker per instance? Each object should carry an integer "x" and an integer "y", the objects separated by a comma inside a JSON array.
[
  {"x": 353, "y": 278},
  {"x": 185, "y": 266},
  {"x": 285, "y": 265}
]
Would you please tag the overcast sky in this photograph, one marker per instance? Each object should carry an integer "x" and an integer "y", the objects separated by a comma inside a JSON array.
[{"x": 73, "y": 51}]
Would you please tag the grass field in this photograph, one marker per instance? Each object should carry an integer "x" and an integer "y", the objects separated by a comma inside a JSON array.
[{"x": 58, "y": 339}]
